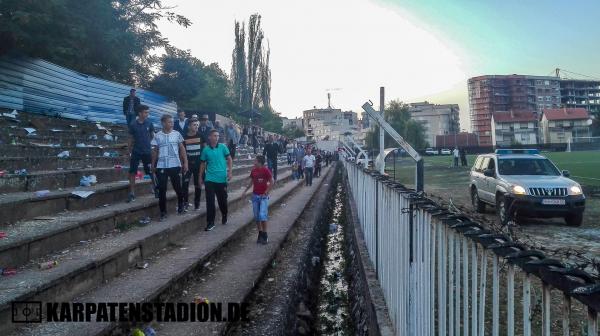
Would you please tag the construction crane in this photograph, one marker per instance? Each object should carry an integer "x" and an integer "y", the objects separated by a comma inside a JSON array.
[{"x": 329, "y": 95}]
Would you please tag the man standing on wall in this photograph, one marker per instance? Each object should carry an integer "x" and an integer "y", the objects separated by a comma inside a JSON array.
[
  {"x": 181, "y": 124},
  {"x": 270, "y": 151},
  {"x": 217, "y": 165},
  {"x": 142, "y": 133},
  {"x": 131, "y": 104}
]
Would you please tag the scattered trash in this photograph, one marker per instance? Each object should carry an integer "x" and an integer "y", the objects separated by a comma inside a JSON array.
[
  {"x": 270, "y": 279},
  {"x": 65, "y": 251},
  {"x": 283, "y": 205},
  {"x": 139, "y": 175},
  {"x": 73, "y": 126},
  {"x": 108, "y": 137},
  {"x": 9, "y": 271},
  {"x": 2, "y": 234},
  {"x": 137, "y": 332},
  {"x": 149, "y": 331},
  {"x": 2, "y": 173},
  {"x": 200, "y": 299},
  {"x": 30, "y": 130},
  {"x": 82, "y": 193},
  {"x": 63, "y": 154},
  {"x": 81, "y": 145},
  {"x": 20, "y": 172},
  {"x": 12, "y": 115},
  {"x": 100, "y": 127},
  {"x": 144, "y": 220},
  {"x": 48, "y": 265},
  {"x": 56, "y": 130},
  {"x": 93, "y": 137},
  {"x": 206, "y": 264},
  {"x": 83, "y": 242},
  {"x": 87, "y": 181},
  {"x": 183, "y": 248},
  {"x": 42, "y": 193},
  {"x": 315, "y": 260},
  {"x": 141, "y": 265},
  {"x": 110, "y": 154},
  {"x": 332, "y": 228},
  {"x": 118, "y": 166}
]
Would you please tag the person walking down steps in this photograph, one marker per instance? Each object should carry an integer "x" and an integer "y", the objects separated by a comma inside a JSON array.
[
  {"x": 261, "y": 180},
  {"x": 169, "y": 161},
  {"x": 193, "y": 148},
  {"x": 308, "y": 162},
  {"x": 217, "y": 165},
  {"x": 141, "y": 133}
]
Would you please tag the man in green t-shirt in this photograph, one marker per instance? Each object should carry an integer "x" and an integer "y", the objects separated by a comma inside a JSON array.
[{"x": 217, "y": 165}]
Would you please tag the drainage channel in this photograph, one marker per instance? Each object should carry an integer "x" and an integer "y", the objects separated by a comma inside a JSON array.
[{"x": 333, "y": 306}]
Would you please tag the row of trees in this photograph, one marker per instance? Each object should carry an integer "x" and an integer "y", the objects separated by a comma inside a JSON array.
[
  {"x": 397, "y": 115},
  {"x": 117, "y": 40}
]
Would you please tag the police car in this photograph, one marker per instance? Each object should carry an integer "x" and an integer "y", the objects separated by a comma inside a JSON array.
[{"x": 522, "y": 183}]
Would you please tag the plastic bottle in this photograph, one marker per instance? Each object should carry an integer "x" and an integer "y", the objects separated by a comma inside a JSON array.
[{"x": 48, "y": 264}]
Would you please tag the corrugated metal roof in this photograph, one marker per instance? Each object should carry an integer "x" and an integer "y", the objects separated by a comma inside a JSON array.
[{"x": 38, "y": 86}]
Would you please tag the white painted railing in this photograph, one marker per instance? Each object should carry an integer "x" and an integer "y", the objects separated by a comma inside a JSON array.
[{"x": 443, "y": 274}]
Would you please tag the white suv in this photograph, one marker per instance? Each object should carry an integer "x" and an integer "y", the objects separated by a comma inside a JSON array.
[{"x": 522, "y": 183}]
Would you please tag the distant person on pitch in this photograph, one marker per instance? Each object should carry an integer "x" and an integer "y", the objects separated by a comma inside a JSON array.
[
  {"x": 140, "y": 149},
  {"x": 261, "y": 180}
]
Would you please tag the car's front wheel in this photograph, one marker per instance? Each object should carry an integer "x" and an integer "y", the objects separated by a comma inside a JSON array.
[
  {"x": 501, "y": 210},
  {"x": 478, "y": 205},
  {"x": 574, "y": 219}
]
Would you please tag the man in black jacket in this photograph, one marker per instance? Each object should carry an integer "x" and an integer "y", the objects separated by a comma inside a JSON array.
[
  {"x": 270, "y": 151},
  {"x": 131, "y": 104}
]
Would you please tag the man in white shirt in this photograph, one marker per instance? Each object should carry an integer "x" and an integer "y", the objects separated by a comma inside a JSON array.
[
  {"x": 308, "y": 164},
  {"x": 169, "y": 161},
  {"x": 456, "y": 154}
]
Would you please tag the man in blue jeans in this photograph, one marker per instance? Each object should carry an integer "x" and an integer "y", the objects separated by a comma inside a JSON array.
[
  {"x": 261, "y": 180},
  {"x": 271, "y": 151},
  {"x": 215, "y": 171},
  {"x": 308, "y": 162},
  {"x": 142, "y": 133}
]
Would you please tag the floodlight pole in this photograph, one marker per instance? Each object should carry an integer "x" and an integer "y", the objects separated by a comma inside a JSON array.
[{"x": 419, "y": 174}]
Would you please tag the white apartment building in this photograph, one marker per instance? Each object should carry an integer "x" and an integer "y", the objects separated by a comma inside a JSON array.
[
  {"x": 329, "y": 123},
  {"x": 295, "y": 122},
  {"x": 514, "y": 127},
  {"x": 436, "y": 119}
]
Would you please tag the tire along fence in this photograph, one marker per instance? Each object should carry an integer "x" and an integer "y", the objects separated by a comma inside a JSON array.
[{"x": 444, "y": 274}]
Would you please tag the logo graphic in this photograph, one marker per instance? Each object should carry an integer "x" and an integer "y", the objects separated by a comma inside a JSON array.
[{"x": 27, "y": 312}]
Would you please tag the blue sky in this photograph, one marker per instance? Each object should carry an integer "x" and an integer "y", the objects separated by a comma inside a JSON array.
[
  {"x": 515, "y": 36},
  {"x": 418, "y": 49}
]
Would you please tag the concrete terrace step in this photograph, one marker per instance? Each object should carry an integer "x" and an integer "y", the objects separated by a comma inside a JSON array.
[
  {"x": 244, "y": 265},
  {"x": 55, "y": 179},
  {"x": 27, "y": 240},
  {"x": 173, "y": 255},
  {"x": 63, "y": 140},
  {"x": 85, "y": 266},
  {"x": 40, "y": 163},
  {"x": 33, "y": 150},
  {"x": 27, "y": 205}
]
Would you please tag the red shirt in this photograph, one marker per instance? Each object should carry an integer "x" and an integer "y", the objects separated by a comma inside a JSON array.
[{"x": 260, "y": 178}]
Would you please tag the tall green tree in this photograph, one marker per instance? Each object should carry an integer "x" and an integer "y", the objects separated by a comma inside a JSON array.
[
  {"x": 108, "y": 39},
  {"x": 397, "y": 115},
  {"x": 181, "y": 76},
  {"x": 251, "y": 73}
]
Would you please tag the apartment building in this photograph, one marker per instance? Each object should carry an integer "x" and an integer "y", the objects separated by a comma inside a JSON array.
[
  {"x": 329, "y": 123},
  {"x": 295, "y": 122},
  {"x": 581, "y": 93},
  {"x": 436, "y": 119},
  {"x": 497, "y": 93},
  {"x": 563, "y": 124},
  {"x": 515, "y": 127}
]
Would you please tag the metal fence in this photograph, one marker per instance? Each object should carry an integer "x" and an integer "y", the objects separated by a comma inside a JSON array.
[
  {"x": 444, "y": 274},
  {"x": 37, "y": 86}
]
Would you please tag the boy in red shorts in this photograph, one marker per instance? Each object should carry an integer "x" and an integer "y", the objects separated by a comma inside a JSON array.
[{"x": 261, "y": 180}]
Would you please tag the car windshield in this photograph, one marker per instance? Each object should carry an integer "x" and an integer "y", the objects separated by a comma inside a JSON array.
[{"x": 527, "y": 166}]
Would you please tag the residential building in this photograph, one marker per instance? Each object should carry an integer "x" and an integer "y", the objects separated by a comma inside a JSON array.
[
  {"x": 329, "y": 123},
  {"x": 435, "y": 119},
  {"x": 581, "y": 93},
  {"x": 497, "y": 93},
  {"x": 514, "y": 127},
  {"x": 295, "y": 122},
  {"x": 563, "y": 124}
]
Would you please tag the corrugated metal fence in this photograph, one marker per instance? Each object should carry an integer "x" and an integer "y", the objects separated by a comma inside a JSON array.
[
  {"x": 37, "y": 86},
  {"x": 433, "y": 268}
]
